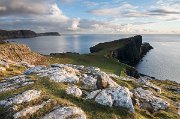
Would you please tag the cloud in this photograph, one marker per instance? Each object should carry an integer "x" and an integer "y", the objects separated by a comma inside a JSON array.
[
  {"x": 163, "y": 9},
  {"x": 38, "y": 15},
  {"x": 67, "y": 1},
  {"x": 118, "y": 17},
  {"x": 75, "y": 24},
  {"x": 23, "y": 7},
  {"x": 113, "y": 11}
]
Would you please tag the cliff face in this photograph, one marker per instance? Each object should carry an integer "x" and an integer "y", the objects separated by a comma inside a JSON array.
[
  {"x": 128, "y": 50},
  {"x": 23, "y": 34},
  {"x": 19, "y": 52},
  {"x": 17, "y": 34}
]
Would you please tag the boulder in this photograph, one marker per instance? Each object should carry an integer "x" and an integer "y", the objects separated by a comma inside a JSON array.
[
  {"x": 64, "y": 77},
  {"x": 104, "y": 80},
  {"x": 148, "y": 97},
  {"x": 89, "y": 82},
  {"x": 93, "y": 94},
  {"x": 65, "y": 113},
  {"x": 117, "y": 96},
  {"x": 74, "y": 90},
  {"x": 104, "y": 98},
  {"x": 101, "y": 82}
]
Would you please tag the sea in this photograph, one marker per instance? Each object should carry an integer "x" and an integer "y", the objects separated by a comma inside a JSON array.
[{"x": 163, "y": 62}]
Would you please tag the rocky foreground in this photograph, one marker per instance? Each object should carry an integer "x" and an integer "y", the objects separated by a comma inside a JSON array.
[{"x": 85, "y": 83}]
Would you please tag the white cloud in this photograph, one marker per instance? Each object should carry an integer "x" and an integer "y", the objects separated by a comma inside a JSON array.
[
  {"x": 75, "y": 24},
  {"x": 162, "y": 9},
  {"x": 113, "y": 11}
]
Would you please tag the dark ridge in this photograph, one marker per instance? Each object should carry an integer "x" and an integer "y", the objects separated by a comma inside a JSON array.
[
  {"x": 128, "y": 50},
  {"x": 23, "y": 34}
]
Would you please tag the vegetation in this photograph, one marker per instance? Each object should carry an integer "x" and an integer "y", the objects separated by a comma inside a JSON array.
[{"x": 93, "y": 110}]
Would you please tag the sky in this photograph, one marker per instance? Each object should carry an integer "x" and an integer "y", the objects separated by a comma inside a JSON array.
[{"x": 92, "y": 16}]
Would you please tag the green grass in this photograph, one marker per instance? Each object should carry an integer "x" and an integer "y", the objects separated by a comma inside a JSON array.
[
  {"x": 93, "y": 110},
  {"x": 106, "y": 64}
]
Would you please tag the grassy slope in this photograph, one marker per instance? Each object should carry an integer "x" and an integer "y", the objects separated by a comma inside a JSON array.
[
  {"x": 92, "y": 109},
  {"x": 106, "y": 64}
]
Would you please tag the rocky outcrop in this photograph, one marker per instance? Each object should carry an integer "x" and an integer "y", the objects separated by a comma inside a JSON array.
[
  {"x": 15, "y": 83},
  {"x": 68, "y": 112},
  {"x": 149, "y": 101},
  {"x": 26, "y": 96},
  {"x": 117, "y": 96},
  {"x": 128, "y": 50},
  {"x": 74, "y": 90},
  {"x": 19, "y": 53},
  {"x": 146, "y": 83},
  {"x": 30, "y": 110},
  {"x": 145, "y": 47}
]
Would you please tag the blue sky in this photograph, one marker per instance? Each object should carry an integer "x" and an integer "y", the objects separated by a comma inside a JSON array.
[{"x": 92, "y": 16}]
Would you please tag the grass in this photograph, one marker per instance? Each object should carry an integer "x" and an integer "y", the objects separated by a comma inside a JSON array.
[
  {"x": 106, "y": 64},
  {"x": 93, "y": 110}
]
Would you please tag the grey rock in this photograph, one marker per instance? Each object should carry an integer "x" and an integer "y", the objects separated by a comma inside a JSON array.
[
  {"x": 65, "y": 113},
  {"x": 74, "y": 90},
  {"x": 156, "y": 102}
]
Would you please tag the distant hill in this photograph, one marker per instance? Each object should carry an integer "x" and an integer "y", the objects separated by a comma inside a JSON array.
[
  {"x": 49, "y": 34},
  {"x": 23, "y": 34}
]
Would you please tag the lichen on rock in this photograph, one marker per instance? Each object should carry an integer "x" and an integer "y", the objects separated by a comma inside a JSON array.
[{"x": 65, "y": 113}]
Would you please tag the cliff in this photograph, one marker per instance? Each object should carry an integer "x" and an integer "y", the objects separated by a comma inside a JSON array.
[
  {"x": 23, "y": 34},
  {"x": 17, "y": 34},
  {"x": 127, "y": 50},
  {"x": 19, "y": 52}
]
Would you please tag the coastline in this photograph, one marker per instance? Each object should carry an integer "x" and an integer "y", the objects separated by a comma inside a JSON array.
[{"x": 71, "y": 79}]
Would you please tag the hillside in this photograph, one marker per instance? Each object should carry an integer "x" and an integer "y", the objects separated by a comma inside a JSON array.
[
  {"x": 19, "y": 52},
  {"x": 23, "y": 34},
  {"x": 89, "y": 86}
]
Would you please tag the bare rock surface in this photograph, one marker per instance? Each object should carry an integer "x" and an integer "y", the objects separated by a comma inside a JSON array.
[
  {"x": 128, "y": 78},
  {"x": 93, "y": 94},
  {"x": 174, "y": 89},
  {"x": 19, "y": 52},
  {"x": 15, "y": 82},
  {"x": 65, "y": 113},
  {"x": 74, "y": 90},
  {"x": 30, "y": 110},
  {"x": 145, "y": 81},
  {"x": 26, "y": 96},
  {"x": 36, "y": 69},
  {"x": 88, "y": 82},
  {"x": 117, "y": 96},
  {"x": 156, "y": 102}
]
